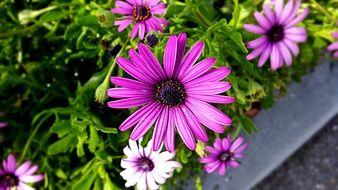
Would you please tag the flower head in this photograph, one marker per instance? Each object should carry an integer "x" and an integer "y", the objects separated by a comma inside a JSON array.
[
  {"x": 223, "y": 154},
  {"x": 13, "y": 176},
  {"x": 177, "y": 95},
  {"x": 334, "y": 46},
  {"x": 279, "y": 35},
  {"x": 142, "y": 14},
  {"x": 145, "y": 167}
]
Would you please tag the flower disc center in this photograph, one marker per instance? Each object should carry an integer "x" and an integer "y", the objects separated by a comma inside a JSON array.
[
  {"x": 170, "y": 93},
  {"x": 141, "y": 12},
  {"x": 146, "y": 164},
  {"x": 276, "y": 33},
  {"x": 9, "y": 180},
  {"x": 225, "y": 156}
]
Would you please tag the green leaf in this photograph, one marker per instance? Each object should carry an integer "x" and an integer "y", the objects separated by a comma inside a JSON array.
[
  {"x": 248, "y": 126},
  {"x": 198, "y": 182},
  {"x": 88, "y": 20},
  {"x": 94, "y": 139},
  {"x": 61, "y": 127},
  {"x": 72, "y": 31},
  {"x": 235, "y": 14},
  {"x": 52, "y": 15},
  {"x": 62, "y": 145},
  {"x": 109, "y": 185},
  {"x": 86, "y": 181},
  {"x": 173, "y": 10}
]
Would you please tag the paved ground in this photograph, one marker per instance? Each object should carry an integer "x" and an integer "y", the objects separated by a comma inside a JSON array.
[{"x": 313, "y": 167}]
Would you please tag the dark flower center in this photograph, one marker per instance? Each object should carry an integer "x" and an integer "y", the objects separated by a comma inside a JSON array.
[
  {"x": 170, "y": 93},
  {"x": 151, "y": 40},
  {"x": 276, "y": 33},
  {"x": 141, "y": 12},
  {"x": 225, "y": 156},
  {"x": 9, "y": 180},
  {"x": 146, "y": 164}
]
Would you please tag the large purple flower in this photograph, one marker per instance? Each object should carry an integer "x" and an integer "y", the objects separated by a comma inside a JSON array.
[
  {"x": 146, "y": 168},
  {"x": 334, "y": 46},
  {"x": 142, "y": 13},
  {"x": 223, "y": 154},
  {"x": 13, "y": 176},
  {"x": 176, "y": 96},
  {"x": 279, "y": 34}
]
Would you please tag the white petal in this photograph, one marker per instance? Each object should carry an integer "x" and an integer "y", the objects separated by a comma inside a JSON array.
[
  {"x": 142, "y": 182},
  {"x": 151, "y": 182}
]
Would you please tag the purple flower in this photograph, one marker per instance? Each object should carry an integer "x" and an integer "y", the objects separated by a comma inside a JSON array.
[
  {"x": 334, "y": 46},
  {"x": 13, "y": 176},
  {"x": 145, "y": 167},
  {"x": 142, "y": 13},
  {"x": 3, "y": 124},
  {"x": 223, "y": 154},
  {"x": 279, "y": 34},
  {"x": 176, "y": 96}
]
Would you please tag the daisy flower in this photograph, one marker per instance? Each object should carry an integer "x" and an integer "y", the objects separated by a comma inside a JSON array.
[
  {"x": 3, "y": 124},
  {"x": 13, "y": 176},
  {"x": 177, "y": 95},
  {"x": 142, "y": 14},
  {"x": 279, "y": 35},
  {"x": 223, "y": 155},
  {"x": 334, "y": 46},
  {"x": 146, "y": 168}
]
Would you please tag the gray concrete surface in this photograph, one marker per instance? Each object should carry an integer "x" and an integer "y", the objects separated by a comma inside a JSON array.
[
  {"x": 283, "y": 129},
  {"x": 313, "y": 167}
]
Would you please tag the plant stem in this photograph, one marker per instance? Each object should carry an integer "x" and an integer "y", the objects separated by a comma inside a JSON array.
[
  {"x": 322, "y": 9},
  {"x": 202, "y": 18},
  {"x": 24, "y": 152}
]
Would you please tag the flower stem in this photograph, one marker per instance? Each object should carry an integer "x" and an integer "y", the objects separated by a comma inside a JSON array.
[
  {"x": 202, "y": 18},
  {"x": 322, "y": 9},
  {"x": 24, "y": 152}
]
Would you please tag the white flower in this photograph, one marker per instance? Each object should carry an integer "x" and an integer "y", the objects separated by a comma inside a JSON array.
[{"x": 146, "y": 168}]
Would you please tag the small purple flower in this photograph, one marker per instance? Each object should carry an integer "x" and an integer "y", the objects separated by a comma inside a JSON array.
[
  {"x": 13, "y": 176},
  {"x": 334, "y": 46},
  {"x": 279, "y": 34},
  {"x": 3, "y": 124},
  {"x": 223, "y": 154},
  {"x": 145, "y": 167},
  {"x": 175, "y": 96},
  {"x": 141, "y": 12}
]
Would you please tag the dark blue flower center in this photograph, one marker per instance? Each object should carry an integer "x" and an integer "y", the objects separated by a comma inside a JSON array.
[
  {"x": 9, "y": 180},
  {"x": 151, "y": 40},
  {"x": 141, "y": 12},
  {"x": 225, "y": 156},
  {"x": 146, "y": 164},
  {"x": 276, "y": 33},
  {"x": 170, "y": 93}
]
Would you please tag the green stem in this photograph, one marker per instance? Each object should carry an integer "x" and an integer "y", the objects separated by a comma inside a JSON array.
[
  {"x": 322, "y": 9},
  {"x": 24, "y": 152},
  {"x": 202, "y": 18}
]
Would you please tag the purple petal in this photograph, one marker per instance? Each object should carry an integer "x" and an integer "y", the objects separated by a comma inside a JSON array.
[
  {"x": 127, "y": 93},
  {"x": 335, "y": 54},
  {"x": 208, "y": 88},
  {"x": 129, "y": 67},
  {"x": 209, "y": 111},
  {"x": 293, "y": 12},
  {"x": 143, "y": 66},
  {"x": 135, "y": 117},
  {"x": 208, "y": 159},
  {"x": 169, "y": 140},
  {"x": 134, "y": 30},
  {"x": 262, "y": 21},
  {"x": 236, "y": 144},
  {"x": 195, "y": 125},
  {"x": 256, "y": 52},
  {"x": 129, "y": 83},
  {"x": 183, "y": 129},
  {"x": 257, "y": 42},
  {"x": 286, "y": 12},
  {"x": 285, "y": 53},
  {"x": 158, "y": 9},
  {"x": 129, "y": 102},
  {"x": 265, "y": 55},
  {"x": 212, "y": 150},
  {"x": 212, "y": 166},
  {"x": 218, "y": 99},
  {"x": 151, "y": 60},
  {"x": 31, "y": 170},
  {"x": 275, "y": 57},
  {"x": 268, "y": 13},
  {"x": 279, "y": 8},
  {"x": 23, "y": 168},
  {"x": 160, "y": 128},
  {"x": 153, "y": 2},
  {"x": 31, "y": 178},
  {"x": 292, "y": 46},
  {"x": 123, "y": 24},
  {"x": 296, "y": 38},
  {"x": 254, "y": 29},
  {"x": 198, "y": 69},
  {"x": 218, "y": 144},
  {"x": 296, "y": 30},
  {"x": 222, "y": 169},
  {"x": 121, "y": 11},
  {"x": 123, "y": 5},
  {"x": 212, "y": 76},
  {"x": 226, "y": 144},
  {"x": 3, "y": 124},
  {"x": 190, "y": 58},
  {"x": 23, "y": 186},
  {"x": 145, "y": 123},
  {"x": 333, "y": 46},
  {"x": 299, "y": 18},
  {"x": 141, "y": 30},
  {"x": 169, "y": 57},
  {"x": 10, "y": 164},
  {"x": 240, "y": 149},
  {"x": 233, "y": 163},
  {"x": 181, "y": 42},
  {"x": 335, "y": 34}
]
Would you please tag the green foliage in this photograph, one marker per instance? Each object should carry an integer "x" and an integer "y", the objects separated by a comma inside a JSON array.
[{"x": 56, "y": 58}]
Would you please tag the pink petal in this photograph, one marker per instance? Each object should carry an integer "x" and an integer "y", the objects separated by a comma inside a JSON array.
[
  {"x": 160, "y": 128},
  {"x": 262, "y": 21},
  {"x": 212, "y": 76},
  {"x": 183, "y": 129},
  {"x": 226, "y": 142},
  {"x": 218, "y": 99},
  {"x": 254, "y": 29},
  {"x": 141, "y": 30},
  {"x": 236, "y": 144},
  {"x": 195, "y": 125},
  {"x": 265, "y": 55},
  {"x": 233, "y": 163},
  {"x": 296, "y": 38},
  {"x": 121, "y": 11},
  {"x": 292, "y": 46},
  {"x": 129, "y": 102},
  {"x": 279, "y": 8},
  {"x": 222, "y": 169},
  {"x": 333, "y": 46},
  {"x": 23, "y": 168},
  {"x": 275, "y": 57},
  {"x": 198, "y": 69},
  {"x": 268, "y": 13},
  {"x": 256, "y": 52},
  {"x": 151, "y": 60},
  {"x": 127, "y": 93},
  {"x": 31, "y": 178},
  {"x": 257, "y": 42},
  {"x": 169, "y": 140},
  {"x": 134, "y": 30},
  {"x": 169, "y": 57},
  {"x": 299, "y": 18},
  {"x": 181, "y": 42},
  {"x": 129, "y": 67},
  {"x": 123, "y": 24},
  {"x": 208, "y": 88},
  {"x": 286, "y": 12},
  {"x": 142, "y": 66},
  {"x": 285, "y": 53}
]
